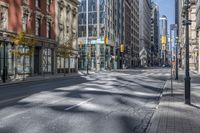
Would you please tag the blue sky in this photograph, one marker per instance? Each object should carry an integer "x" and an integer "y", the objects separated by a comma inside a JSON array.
[{"x": 167, "y": 7}]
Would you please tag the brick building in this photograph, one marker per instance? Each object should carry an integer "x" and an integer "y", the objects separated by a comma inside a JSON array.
[
  {"x": 38, "y": 20},
  {"x": 131, "y": 33}
]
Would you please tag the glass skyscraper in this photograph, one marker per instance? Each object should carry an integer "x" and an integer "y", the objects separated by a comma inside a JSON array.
[{"x": 95, "y": 25}]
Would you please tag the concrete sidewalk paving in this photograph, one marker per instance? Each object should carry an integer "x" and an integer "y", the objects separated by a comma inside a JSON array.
[{"x": 172, "y": 115}]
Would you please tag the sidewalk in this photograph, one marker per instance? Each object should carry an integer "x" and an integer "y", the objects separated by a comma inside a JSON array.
[
  {"x": 172, "y": 115},
  {"x": 43, "y": 78}
]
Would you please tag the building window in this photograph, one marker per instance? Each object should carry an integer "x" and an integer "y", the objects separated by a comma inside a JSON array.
[
  {"x": 81, "y": 31},
  {"x": 92, "y": 18},
  {"x": 82, "y": 19},
  {"x": 37, "y": 26},
  {"x": 23, "y": 62},
  {"x": 37, "y": 3},
  {"x": 48, "y": 5},
  {"x": 3, "y": 17},
  {"x": 26, "y": 2},
  {"x": 82, "y": 6},
  {"x": 102, "y": 5},
  {"x": 92, "y": 5},
  {"x": 47, "y": 60},
  {"x": 48, "y": 30},
  {"x": 92, "y": 29},
  {"x": 25, "y": 22}
]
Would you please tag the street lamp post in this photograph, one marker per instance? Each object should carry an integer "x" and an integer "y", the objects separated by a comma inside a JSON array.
[
  {"x": 187, "y": 22},
  {"x": 4, "y": 59},
  {"x": 177, "y": 45}
]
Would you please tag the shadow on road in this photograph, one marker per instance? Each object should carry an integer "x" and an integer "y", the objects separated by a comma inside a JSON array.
[
  {"x": 11, "y": 94},
  {"x": 100, "y": 105}
]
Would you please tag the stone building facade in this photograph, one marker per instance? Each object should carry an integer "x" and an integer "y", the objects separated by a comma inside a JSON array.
[
  {"x": 131, "y": 33},
  {"x": 155, "y": 35},
  {"x": 66, "y": 27},
  {"x": 198, "y": 33},
  {"x": 145, "y": 29},
  {"x": 193, "y": 35}
]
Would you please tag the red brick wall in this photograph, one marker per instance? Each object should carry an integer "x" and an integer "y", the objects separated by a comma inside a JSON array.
[
  {"x": 15, "y": 16},
  {"x": 53, "y": 13}
]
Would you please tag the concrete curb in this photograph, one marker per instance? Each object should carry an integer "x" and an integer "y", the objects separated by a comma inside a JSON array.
[
  {"x": 36, "y": 80},
  {"x": 153, "y": 128}
]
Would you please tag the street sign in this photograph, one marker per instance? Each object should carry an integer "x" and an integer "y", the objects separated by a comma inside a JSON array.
[{"x": 173, "y": 62}]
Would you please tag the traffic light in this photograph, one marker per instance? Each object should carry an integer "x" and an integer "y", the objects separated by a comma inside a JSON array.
[
  {"x": 122, "y": 48},
  {"x": 163, "y": 40},
  {"x": 106, "y": 40}
]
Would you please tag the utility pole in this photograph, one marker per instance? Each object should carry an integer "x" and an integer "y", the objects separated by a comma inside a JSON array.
[{"x": 187, "y": 22}]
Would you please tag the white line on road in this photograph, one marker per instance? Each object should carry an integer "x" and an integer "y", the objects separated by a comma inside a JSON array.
[
  {"x": 13, "y": 99},
  {"x": 74, "y": 106}
]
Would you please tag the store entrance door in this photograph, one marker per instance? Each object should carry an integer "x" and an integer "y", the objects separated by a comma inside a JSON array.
[{"x": 37, "y": 60}]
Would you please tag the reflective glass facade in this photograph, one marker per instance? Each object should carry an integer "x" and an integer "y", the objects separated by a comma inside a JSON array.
[{"x": 94, "y": 23}]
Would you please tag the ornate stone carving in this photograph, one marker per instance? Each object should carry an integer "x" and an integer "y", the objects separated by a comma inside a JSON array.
[
  {"x": 26, "y": 2},
  {"x": 3, "y": 17},
  {"x": 61, "y": 26},
  {"x": 74, "y": 12},
  {"x": 39, "y": 15},
  {"x": 26, "y": 11},
  {"x": 61, "y": 4},
  {"x": 67, "y": 20},
  {"x": 68, "y": 8},
  {"x": 48, "y": 18}
]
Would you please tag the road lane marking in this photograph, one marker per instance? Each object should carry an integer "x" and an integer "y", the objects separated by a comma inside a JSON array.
[
  {"x": 74, "y": 106},
  {"x": 13, "y": 99},
  {"x": 13, "y": 115}
]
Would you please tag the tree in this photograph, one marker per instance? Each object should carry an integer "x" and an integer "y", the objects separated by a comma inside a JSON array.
[
  {"x": 65, "y": 51},
  {"x": 21, "y": 40}
]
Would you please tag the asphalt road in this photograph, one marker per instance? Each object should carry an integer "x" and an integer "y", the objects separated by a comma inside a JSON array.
[{"x": 107, "y": 102}]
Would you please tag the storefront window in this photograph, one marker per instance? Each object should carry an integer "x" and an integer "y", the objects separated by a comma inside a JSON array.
[
  {"x": 23, "y": 61},
  {"x": 47, "y": 60},
  {"x": 10, "y": 60}
]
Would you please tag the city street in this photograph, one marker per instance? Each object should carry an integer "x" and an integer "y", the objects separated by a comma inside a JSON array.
[{"x": 107, "y": 102}]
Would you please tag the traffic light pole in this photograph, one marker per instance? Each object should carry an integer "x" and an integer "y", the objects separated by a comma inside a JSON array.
[
  {"x": 187, "y": 71},
  {"x": 171, "y": 27},
  {"x": 4, "y": 62}
]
